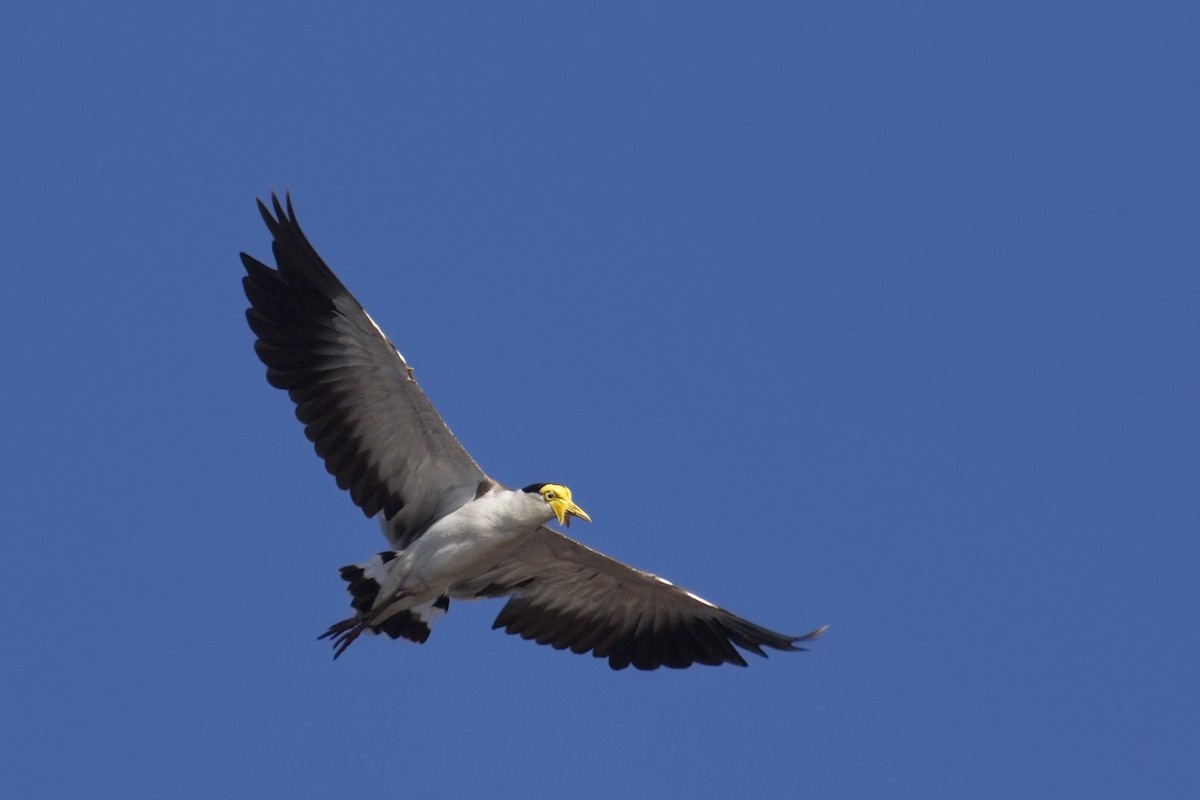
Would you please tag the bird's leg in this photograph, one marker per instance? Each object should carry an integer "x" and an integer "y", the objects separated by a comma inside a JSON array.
[{"x": 345, "y": 632}]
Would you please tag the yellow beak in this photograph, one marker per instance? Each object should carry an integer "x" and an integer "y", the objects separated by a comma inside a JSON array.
[{"x": 565, "y": 509}]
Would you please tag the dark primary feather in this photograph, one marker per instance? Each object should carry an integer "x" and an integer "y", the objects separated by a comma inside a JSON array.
[
  {"x": 567, "y": 595},
  {"x": 368, "y": 419}
]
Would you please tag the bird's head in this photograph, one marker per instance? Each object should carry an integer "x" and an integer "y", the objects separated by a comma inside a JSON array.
[{"x": 558, "y": 497}]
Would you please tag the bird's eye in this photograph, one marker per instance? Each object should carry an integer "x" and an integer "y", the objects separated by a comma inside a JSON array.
[{"x": 549, "y": 496}]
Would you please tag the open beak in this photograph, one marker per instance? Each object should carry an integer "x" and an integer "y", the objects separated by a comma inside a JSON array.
[{"x": 565, "y": 509}]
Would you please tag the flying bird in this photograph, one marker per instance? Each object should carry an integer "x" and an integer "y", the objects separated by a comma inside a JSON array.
[{"x": 453, "y": 531}]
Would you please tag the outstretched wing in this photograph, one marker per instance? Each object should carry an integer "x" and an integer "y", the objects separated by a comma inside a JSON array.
[
  {"x": 368, "y": 419},
  {"x": 565, "y": 594}
]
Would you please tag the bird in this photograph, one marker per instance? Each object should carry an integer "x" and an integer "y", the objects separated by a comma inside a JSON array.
[{"x": 454, "y": 532}]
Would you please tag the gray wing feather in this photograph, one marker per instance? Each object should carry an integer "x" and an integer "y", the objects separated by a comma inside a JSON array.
[
  {"x": 370, "y": 422},
  {"x": 567, "y": 595}
]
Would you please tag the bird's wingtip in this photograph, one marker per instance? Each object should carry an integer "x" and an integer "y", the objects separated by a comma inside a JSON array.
[{"x": 808, "y": 637}]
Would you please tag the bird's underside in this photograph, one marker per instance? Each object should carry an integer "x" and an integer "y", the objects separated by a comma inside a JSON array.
[{"x": 455, "y": 533}]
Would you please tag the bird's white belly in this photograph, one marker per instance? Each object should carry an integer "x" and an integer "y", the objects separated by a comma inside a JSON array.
[
  {"x": 438, "y": 560},
  {"x": 460, "y": 546}
]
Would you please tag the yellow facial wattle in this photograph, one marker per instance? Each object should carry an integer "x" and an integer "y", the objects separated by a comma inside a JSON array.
[{"x": 559, "y": 498}]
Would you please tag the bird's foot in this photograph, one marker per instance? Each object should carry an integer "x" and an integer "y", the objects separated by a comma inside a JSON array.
[{"x": 344, "y": 633}]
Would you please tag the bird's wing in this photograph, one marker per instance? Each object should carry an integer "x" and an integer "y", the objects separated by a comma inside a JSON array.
[
  {"x": 368, "y": 419},
  {"x": 565, "y": 594}
]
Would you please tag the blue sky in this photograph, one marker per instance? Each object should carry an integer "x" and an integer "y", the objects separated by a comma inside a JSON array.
[{"x": 880, "y": 316}]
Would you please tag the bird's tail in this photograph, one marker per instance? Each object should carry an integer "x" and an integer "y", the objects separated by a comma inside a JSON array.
[{"x": 363, "y": 582}]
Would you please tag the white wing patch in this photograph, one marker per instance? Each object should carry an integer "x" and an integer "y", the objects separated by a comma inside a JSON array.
[
  {"x": 379, "y": 330},
  {"x": 695, "y": 597},
  {"x": 698, "y": 598}
]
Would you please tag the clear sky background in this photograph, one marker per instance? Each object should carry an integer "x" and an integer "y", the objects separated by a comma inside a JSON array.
[{"x": 881, "y": 316}]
